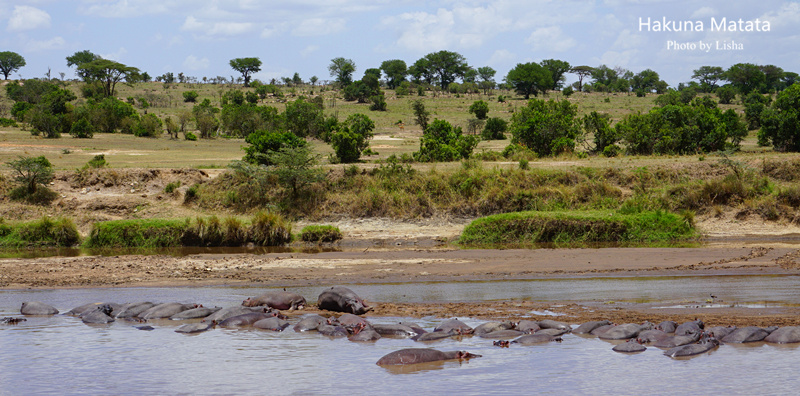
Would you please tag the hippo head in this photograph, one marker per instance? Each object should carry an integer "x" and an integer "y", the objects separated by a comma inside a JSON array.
[
  {"x": 249, "y": 302},
  {"x": 465, "y": 355},
  {"x": 358, "y": 307}
]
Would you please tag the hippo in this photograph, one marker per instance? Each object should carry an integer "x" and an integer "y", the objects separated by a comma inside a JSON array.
[
  {"x": 144, "y": 328},
  {"x": 421, "y": 355},
  {"x": 279, "y": 299},
  {"x": 37, "y": 308},
  {"x": 194, "y": 313},
  {"x": 631, "y": 346},
  {"x": 690, "y": 327},
  {"x": 602, "y": 329},
  {"x": 746, "y": 334},
  {"x": 364, "y": 333},
  {"x": 720, "y": 332},
  {"x": 85, "y": 308},
  {"x": 625, "y": 331},
  {"x": 272, "y": 323},
  {"x": 454, "y": 324},
  {"x": 230, "y": 312},
  {"x": 533, "y": 339},
  {"x": 677, "y": 340},
  {"x": 552, "y": 324},
  {"x": 490, "y": 327},
  {"x": 587, "y": 327},
  {"x": 705, "y": 344},
  {"x": 98, "y": 315},
  {"x": 436, "y": 335},
  {"x": 191, "y": 328},
  {"x": 667, "y": 326},
  {"x": 309, "y": 322},
  {"x": 332, "y": 331},
  {"x": 395, "y": 330},
  {"x": 414, "y": 326},
  {"x": 342, "y": 299},
  {"x": 165, "y": 310},
  {"x": 528, "y": 326},
  {"x": 553, "y": 332},
  {"x": 243, "y": 320},
  {"x": 502, "y": 334},
  {"x": 784, "y": 335},
  {"x": 131, "y": 310},
  {"x": 653, "y": 335},
  {"x": 350, "y": 320}
]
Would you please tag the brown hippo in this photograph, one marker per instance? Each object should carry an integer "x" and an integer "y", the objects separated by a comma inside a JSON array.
[
  {"x": 746, "y": 334},
  {"x": 454, "y": 324},
  {"x": 37, "y": 308},
  {"x": 309, "y": 322},
  {"x": 587, "y": 327},
  {"x": 398, "y": 330},
  {"x": 705, "y": 344},
  {"x": 528, "y": 326},
  {"x": 784, "y": 335},
  {"x": 165, "y": 310},
  {"x": 533, "y": 339},
  {"x": 278, "y": 299},
  {"x": 632, "y": 346},
  {"x": 247, "y": 319},
  {"x": 342, "y": 299},
  {"x": 132, "y": 310},
  {"x": 490, "y": 327},
  {"x": 271, "y": 323},
  {"x": 421, "y": 355}
]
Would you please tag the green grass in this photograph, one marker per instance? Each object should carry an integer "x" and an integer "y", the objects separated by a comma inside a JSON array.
[
  {"x": 263, "y": 229},
  {"x": 320, "y": 234},
  {"x": 47, "y": 232},
  {"x": 526, "y": 228}
]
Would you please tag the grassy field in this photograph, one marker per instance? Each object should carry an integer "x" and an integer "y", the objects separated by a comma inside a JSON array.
[{"x": 395, "y": 131}]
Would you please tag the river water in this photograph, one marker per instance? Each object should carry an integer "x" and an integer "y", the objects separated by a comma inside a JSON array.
[{"x": 61, "y": 355}]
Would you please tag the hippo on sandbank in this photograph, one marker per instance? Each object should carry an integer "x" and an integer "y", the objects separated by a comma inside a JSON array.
[
  {"x": 278, "y": 299},
  {"x": 342, "y": 299}
]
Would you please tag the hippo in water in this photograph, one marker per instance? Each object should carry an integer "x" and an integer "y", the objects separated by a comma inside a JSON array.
[
  {"x": 784, "y": 335},
  {"x": 746, "y": 334},
  {"x": 454, "y": 324},
  {"x": 397, "y": 330},
  {"x": 194, "y": 313},
  {"x": 706, "y": 343},
  {"x": 37, "y": 308},
  {"x": 165, "y": 310},
  {"x": 132, "y": 310},
  {"x": 271, "y": 323},
  {"x": 98, "y": 315},
  {"x": 309, "y": 322},
  {"x": 587, "y": 327},
  {"x": 625, "y": 331},
  {"x": 490, "y": 327},
  {"x": 632, "y": 346},
  {"x": 279, "y": 299},
  {"x": 421, "y": 355},
  {"x": 342, "y": 299},
  {"x": 533, "y": 339}
]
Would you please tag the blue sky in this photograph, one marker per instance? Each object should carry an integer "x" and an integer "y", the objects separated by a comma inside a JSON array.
[{"x": 199, "y": 37}]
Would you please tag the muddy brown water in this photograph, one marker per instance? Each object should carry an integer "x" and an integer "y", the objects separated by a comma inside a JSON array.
[{"x": 60, "y": 354}]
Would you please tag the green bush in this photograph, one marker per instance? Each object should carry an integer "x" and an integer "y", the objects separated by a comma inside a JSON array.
[
  {"x": 264, "y": 142},
  {"x": 780, "y": 122},
  {"x": 172, "y": 186},
  {"x": 378, "y": 103},
  {"x": 726, "y": 94},
  {"x": 190, "y": 96},
  {"x": 494, "y": 129},
  {"x": 480, "y": 109},
  {"x": 148, "y": 126},
  {"x": 441, "y": 142},
  {"x": 568, "y": 91},
  {"x": 547, "y": 128},
  {"x": 97, "y": 162},
  {"x": 82, "y": 129},
  {"x": 599, "y": 125},
  {"x": 352, "y": 138},
  {"x": 754, "y": 105},
  {"x": 32, "y": 175},
  {"x": 269, "y": 229},
  {"x": 7, "y": 122},
  {"x": 320, "y": 234}
]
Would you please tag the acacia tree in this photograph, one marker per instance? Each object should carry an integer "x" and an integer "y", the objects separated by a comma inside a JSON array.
[
  {"x": 81, "y": 57},
  {"x": 708, "y": 77},
  {"x": 582, "y": 72},
  {"x": 396, "y": 72},
  {"x": 343, "y": 70},
  {"x": 446, "y": 66},
  {"x": 246, "y": 66},
  {"x": 108, "y": 73},
  {"x": 745, "y": 77},
  {"x": 486, "y": 74},
  {"x": 557, "y": 69},
  {"x": 529, "y": 79},
  {"x": 10, "y": 62}
]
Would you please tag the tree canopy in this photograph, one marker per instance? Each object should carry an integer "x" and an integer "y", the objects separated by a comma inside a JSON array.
[
  {"x": 396, "y": 72},
  {"x": 582, "y": 72},
  {"x": 108, "y": 73},
  {"x": 529, "y": 79},
  {"x": 342, "y": 69},
  {"x": 557, "y": 69},
  {"x": 246, "y": 66},
  {"x": 444, "y": 66},
  {"x": 10, "y": 62},
  {"x": 708, "y": 77}
]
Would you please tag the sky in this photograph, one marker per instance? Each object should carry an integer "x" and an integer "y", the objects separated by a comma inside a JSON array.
[{"x": 200, "y": 37}]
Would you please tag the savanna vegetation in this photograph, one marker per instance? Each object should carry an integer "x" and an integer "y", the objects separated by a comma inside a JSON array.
[{"x": 437, "y": 138}]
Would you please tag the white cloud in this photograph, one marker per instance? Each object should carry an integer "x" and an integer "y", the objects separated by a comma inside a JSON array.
[
  {"x": 27, "y": 18},
  {"x": 128, "y": 8},
  {"x": 704, "y": 12},
  {"x": 628, "y": 40},
  {"x": 551, "y": 39},
  {"x": 788, "y": 15},
  {"x": 115, "y": 56},
  {"x": 319, "y": 27},
  {"x": 55, "y": 43},
  {"x": 502, "y": 57},
  {"x": 421, "y": 31},
  {"x": 191, "y": 23},
  {"x": 216, "y": 28},
  {"x": 194, "y": 63},
  {"x": 309, "y": 50}
]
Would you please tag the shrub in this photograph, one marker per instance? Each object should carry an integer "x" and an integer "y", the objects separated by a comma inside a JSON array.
[
  {"x": 480, "y": 109},
  {"x": 32, "y": 174},
  {"x": 190, "y": 96},
  {"x": 780, "y": 123},
  {"x": 726, "y": 94},
  {"x": 172, "y": 187},
  {"x": 320, "y": 234},
  {"x": 264, "y": 142},
  {"x": 547, "y": 128},
  {"x": 494, "y": 129},
  {"x": 7, "y": 122},
  {"x": 269, "y": 229},
  {"x": 189, "y": 136},
  {"x": 191, "y": 193},
  {"x": 442, "y": 142},
  {"x": 97, "y": 162},
  {"x": 148, "y": 126},
  {"x": 59, "y": 232},
  {"x": 568, "y": 91},
  {"x": 754, "y": 105},
  {"x": 378, "y": 103},
  {"x": 421, "y": 116},
  {"x": 352, "y": 137},
  {"x": 599, "y": 126},
  {"x": 82, "y": 129}
]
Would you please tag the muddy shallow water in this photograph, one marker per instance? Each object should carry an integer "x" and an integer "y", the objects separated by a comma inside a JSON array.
[{"x": 60, "y": 354}]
